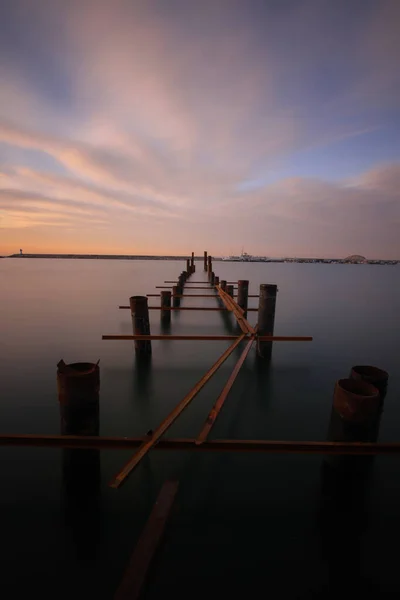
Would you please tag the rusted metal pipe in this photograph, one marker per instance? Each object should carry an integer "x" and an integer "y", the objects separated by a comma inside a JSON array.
[
  {"x": 140, "y": 324},
  {"x": 266, "y": 317},
  {"x": 243, "y": 294},
  {"x": 166, "y": 306},
  {"x": 176, "y": 293}
]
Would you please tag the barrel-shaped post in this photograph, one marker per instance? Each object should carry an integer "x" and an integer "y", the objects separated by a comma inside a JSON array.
[
  {"x": 140, "y": 323},
  {"x": 243, "y": 294},
  {"x": 205, "y": 261},
  {"x": 266, "y": 317},
  {"x": 78, "y": 387},
  {"x": 229, "y": 290},
  {"x": 176, "y": 292},
  {"x": 223, "y": 285},
  {"x": 378, "y": 377},
  {"x": 166, "y": 306}
]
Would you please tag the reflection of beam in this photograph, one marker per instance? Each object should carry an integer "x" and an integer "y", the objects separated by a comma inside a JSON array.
[
  {"x": 215, "y": 338},
  {"x": 143, "y": 554},
  {"x": 171, "y": 418},
  {"x": 269, "y": 446}
]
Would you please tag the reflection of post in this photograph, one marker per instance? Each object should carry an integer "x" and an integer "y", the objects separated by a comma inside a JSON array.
[
  {"x": 266, "y": 317},
  {"x": 343, "y": 517},
  {"x": 78, "y": 394}
]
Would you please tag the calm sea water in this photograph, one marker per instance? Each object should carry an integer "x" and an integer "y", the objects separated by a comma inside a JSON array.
[{"x": 242, "y": 524}]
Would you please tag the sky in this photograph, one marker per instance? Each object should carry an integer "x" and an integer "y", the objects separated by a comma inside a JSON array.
[{"x": 162, "y": 127}]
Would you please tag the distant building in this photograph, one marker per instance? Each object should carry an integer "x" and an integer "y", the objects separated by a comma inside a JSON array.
[{"x": 355, "y": 258}]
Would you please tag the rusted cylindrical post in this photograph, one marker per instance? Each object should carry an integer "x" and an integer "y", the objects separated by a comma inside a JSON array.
[
  {"x": 78, "y": 393},
  {"x": 188, "y": 271},
  {"x": 192, "y": 261},
  {"x": 181, "y": 281},
  {"x": 216, "y": 280},
  {"x": 166, "y": 305},
  {"x": 243, "y": 294},
  {"x": 355, "y": 417},
  {"x": 356, "y": 400},
  {"x": 176, "y": 291},
  {"x": 223, "y": 285},
  {"x": 209, "y": 267},
  {"x": 78, "y": 387},
  {"x": 212, "y": 278},
  {"x": 205, "y": 261},
  {"x": 266, "y": 317},
  {"x": 229, "y": 290},
  {"x": 140, "y": 323},
  {"x": 377, "y": 377}
]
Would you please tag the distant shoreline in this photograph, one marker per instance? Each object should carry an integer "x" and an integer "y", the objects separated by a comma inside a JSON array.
[{"x": 199, "y": 258}]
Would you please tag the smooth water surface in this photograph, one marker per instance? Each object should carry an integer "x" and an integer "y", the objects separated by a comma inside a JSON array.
[{"x": 241, "y": 522}]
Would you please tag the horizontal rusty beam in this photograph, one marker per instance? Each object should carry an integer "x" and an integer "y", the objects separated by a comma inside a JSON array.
[
  {"x": 218, "y": 308},
  {"x": 211, "y": 338},
  {"x": 268, "y": 446},
  {"x": 212, "y": 296}
]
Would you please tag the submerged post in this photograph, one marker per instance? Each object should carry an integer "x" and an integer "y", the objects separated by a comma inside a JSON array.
[
  {"x": 140, "y": 324},
  {"x": 266, "y": 317},
  {"x": 243, "y": 294},
  {"x": 205, "y": 260},
  {"x": 166, "y": 306},
  {"x": 229, "y": 290},
  {"x": 176, "y": 291},
  {"x": 223, "y": 285}
]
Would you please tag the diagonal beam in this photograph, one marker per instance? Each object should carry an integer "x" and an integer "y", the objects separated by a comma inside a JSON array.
[{"x": 166, "y": 424}]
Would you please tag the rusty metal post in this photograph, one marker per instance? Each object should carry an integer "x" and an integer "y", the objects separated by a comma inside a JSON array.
[
  {"x": 78, "y": 394},
  {"x": 176, "y": 291},
  {"x": 243, "y": 294},
  {"x": 355, "y": 417},
  {"x": 229, "y": 290},
  {"x": 188, "y": 271},
  {"x": 216, "y": 280},
  {"x": 223, "y": 285},
  {"x": 166, "y": 304},
  {"x": 266, "y": 317},
  {"x": 209, "y": 268},
  {"x": 378, "y": 377},
  {"x": 205, "y": 260},
  {"x": 192, "y": 262},
  {"x": 212, "y": 278},
  {"x": 140, "y": 324}
]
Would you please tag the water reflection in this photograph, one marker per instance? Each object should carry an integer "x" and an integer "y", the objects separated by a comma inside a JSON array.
[
  {"x": 142, "y": 376},
  {"x": 81, "y": 471}
]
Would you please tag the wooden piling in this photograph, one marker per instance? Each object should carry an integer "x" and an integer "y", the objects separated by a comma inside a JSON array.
[
  {"x": 243, "y": 294},
  {"x": 166, "y": 306},
  {"x": 140, "y": 324},
  {"x": 266, "y": 317},
  {"x": 205, "y": 261},
  {"x": 176, "y": 293}
]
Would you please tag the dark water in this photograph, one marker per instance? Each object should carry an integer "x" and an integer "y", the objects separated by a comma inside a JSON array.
[{"x": 242, "y": 524}]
